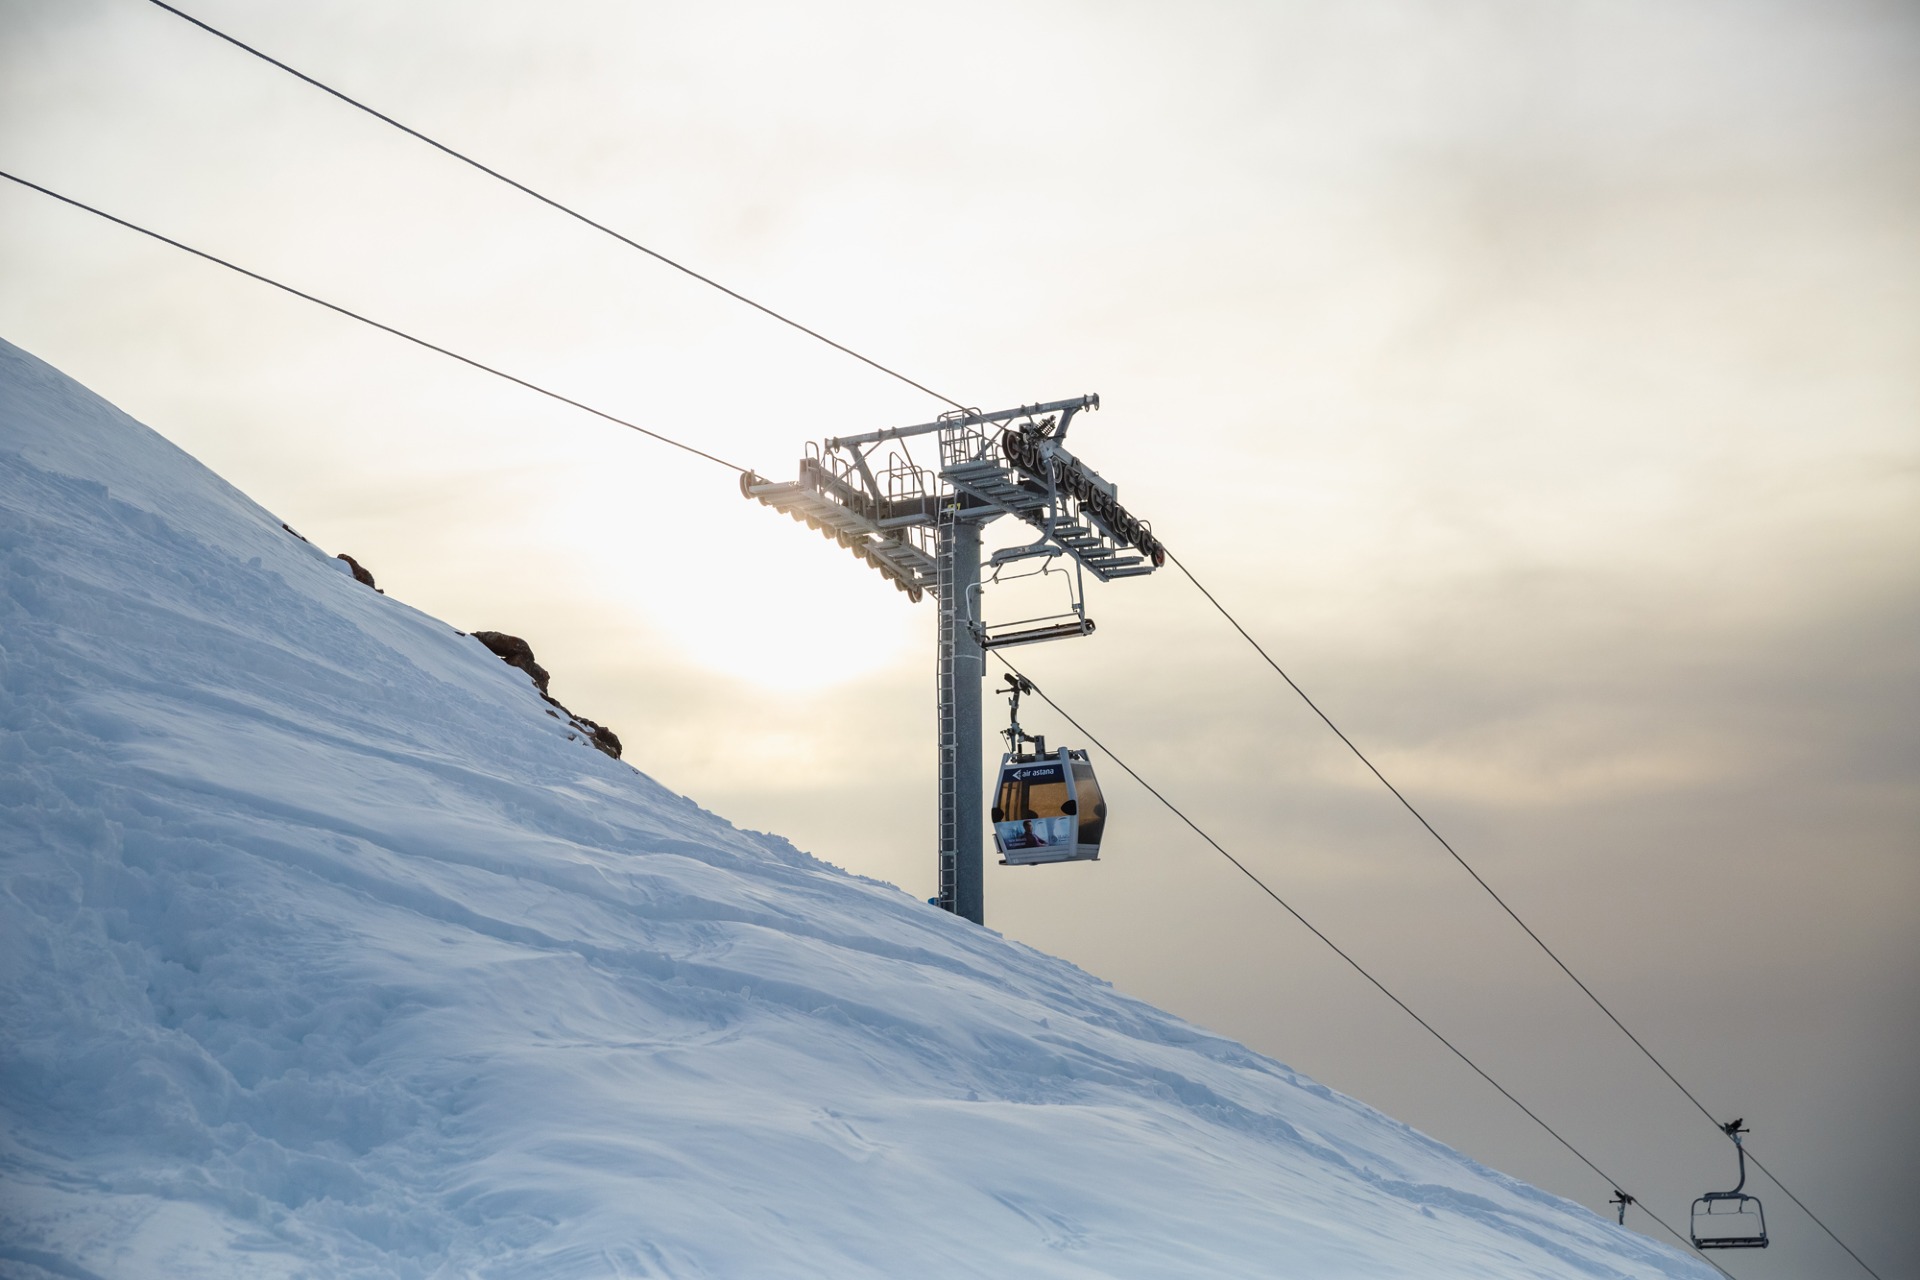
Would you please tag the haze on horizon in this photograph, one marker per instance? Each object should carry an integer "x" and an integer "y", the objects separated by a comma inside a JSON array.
[{"x": 1540, "y": 384}]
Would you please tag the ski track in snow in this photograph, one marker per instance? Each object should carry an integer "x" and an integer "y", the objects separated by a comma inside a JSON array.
[{"x": 328, "y": 952}]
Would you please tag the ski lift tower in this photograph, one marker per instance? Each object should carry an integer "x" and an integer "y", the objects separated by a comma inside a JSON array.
[{"x": 919, "y": 527}]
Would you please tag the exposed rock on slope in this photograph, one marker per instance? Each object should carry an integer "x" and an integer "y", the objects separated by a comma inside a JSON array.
[
  {"x": 516, "y": 652},
  {"x": 359, "y": 571}
]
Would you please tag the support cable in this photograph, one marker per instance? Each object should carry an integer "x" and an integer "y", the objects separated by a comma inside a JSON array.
[
  {"x": 1810, "y": 1213},
  {"x": 893, "y": 373},
  {"x": 550, "y": 201},
  {"x": 398, "y": 333},
  {"x": 701, "y": 453},
  {"x": 1336, "y": 949},
  {"x": 1479, "y": 880},
  {"x": 748, "y": 472}
]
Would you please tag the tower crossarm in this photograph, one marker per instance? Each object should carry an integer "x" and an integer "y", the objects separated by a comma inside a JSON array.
[
  {"x": 1061, "y": 410},
  {"x": 882, "y": 539},
  {"x": 1007, "y": 462}
]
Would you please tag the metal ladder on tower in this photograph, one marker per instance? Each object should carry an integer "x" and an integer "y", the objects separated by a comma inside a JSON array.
[{"x": 949, "y": 600}]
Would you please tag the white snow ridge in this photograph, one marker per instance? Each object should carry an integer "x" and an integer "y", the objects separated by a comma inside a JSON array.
[{"x": 325, "y": 952}]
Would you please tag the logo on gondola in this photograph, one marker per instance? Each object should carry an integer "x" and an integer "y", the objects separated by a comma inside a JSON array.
[{"x": 1046, "y": 461}]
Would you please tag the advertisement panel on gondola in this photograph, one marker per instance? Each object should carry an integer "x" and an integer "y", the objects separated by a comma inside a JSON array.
[{"x": 1024, "y": 825}]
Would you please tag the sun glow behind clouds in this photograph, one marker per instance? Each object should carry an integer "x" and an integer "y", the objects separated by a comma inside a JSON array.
[{"x": 775, "y": 606}]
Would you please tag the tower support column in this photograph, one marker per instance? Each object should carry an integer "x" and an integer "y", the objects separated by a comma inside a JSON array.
[{"x": 962, "y": 667}]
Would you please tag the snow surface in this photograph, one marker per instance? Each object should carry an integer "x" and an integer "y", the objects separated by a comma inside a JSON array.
[{"x": 325, "y": 950}]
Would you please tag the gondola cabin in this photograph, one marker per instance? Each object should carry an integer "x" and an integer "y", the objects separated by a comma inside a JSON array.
[{"x": 1048, "y": 808}]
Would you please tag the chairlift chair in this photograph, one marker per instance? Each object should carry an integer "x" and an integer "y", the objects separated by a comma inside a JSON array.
[
  {"x": 1059, "y": 624},
  {"x": 1729, "y": 1219},
  {"x": 1047, "y": 806}
]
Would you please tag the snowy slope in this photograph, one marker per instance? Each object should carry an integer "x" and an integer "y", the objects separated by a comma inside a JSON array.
[{"x": 325, "y": 951}]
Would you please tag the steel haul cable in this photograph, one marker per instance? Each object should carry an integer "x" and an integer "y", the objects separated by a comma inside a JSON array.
[
  {"x": 678, "y": 266},
  {"x": 549, "y": 201},
  {"x": 1337, "y": 950},
  {"x": 701, "y": 453},
  {"x": 1421, "y": 818},
  {"x": 398, "y": 333},
  {"x": 744, "y": 471},
  {"x": 1479, "y": 880}
]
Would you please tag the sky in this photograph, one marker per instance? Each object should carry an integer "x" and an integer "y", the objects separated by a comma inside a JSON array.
[{"x": 1539, "y": 383}]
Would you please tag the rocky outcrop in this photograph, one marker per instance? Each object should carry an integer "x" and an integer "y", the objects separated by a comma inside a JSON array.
[
  {"x": 516, "y": 652},
  {"x": 599, "y": 735},
  {"x": 359, "y": 571}
]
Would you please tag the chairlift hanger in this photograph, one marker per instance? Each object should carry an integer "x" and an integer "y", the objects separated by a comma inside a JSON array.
[
  {"x": 1064, "y": 624},
  {"x": 1729, "y": 1219}
]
